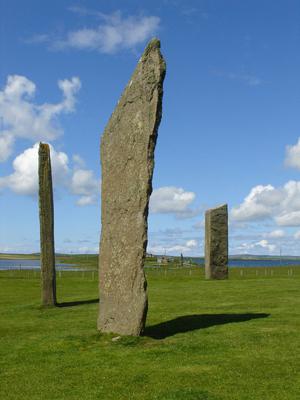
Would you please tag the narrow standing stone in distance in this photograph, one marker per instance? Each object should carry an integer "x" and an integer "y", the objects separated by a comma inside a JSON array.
[
  {"x": 216, "y": 243},
  {"x": 127, "y": 160},
  {"x": 48, "y": 279}
]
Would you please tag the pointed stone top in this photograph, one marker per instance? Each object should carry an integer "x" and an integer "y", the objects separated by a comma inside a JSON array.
[
  {"x": 153, "y": 44},
  {"x": 153, "y": 49}
]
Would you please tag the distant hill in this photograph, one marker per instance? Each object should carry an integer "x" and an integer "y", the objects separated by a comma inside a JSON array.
[{"x": 261, "y": 257}]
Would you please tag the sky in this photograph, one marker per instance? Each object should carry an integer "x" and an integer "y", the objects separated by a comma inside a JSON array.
[{"x": 230, "y": 130}]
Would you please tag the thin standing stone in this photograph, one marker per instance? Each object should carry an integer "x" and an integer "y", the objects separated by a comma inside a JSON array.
[
  {"x": 216, "y": 243},
  {"x": 48, "y": 279},
  {"x": 127, "y": 160}
]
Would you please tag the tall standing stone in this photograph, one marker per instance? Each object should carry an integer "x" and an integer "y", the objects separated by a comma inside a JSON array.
[
  {"x": 48, "y": 279},
  {"x": 127, "y": 160},
  {"x": 216, "y": 243}
]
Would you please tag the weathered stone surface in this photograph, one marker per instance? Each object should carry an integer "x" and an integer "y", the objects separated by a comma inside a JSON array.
[
  {"x": 127, "y": 159},
  {"x": 48, "y": 279},
  {"x": 216, "y": 243}
]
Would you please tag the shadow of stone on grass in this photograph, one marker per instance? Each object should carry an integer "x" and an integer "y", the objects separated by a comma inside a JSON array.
[
  {"x": 189, "y": 323},
  {"x": 77, "y": 303}
]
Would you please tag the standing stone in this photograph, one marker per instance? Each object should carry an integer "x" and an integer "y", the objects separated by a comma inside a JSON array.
[
  {"x": 127, "y": 160},
  {"x": 216, "y": 243},
  {"x": 46, "y": 227}
]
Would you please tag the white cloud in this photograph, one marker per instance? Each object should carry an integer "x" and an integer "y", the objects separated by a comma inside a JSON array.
[
  {"x": 254, "y": 206},
  {"x": 266, "y": 245},
  {"x": 6, "y": 145},
  {"x": 257, "y": 246},
  {"x": 281, "y": 204},
  {"x": 83, "y": 183},
  {"x": 22, "y": 118},
  {"x": 292, "y": 155},
  {"x": 113, "y": 34},
  {"x": 86, "y": 200},
  {"x": 297, "y": 235},
  {"x": 78, "y": 161},
  {"x": 276, "y": 234},
  {"x": 188, "y": 247},
  {"x": 88, "y": 250},
  {"x": 172, "y": 200},
  {"x": 288, "y": 218},
  {"x": 24, "y": 179},
  {"x": 191, "y": 243}
]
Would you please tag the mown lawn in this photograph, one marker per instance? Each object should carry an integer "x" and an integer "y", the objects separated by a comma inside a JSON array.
[{"x": 206, "y": 340}]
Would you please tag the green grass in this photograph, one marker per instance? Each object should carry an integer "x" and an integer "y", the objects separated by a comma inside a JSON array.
[
  {"x": 207, "y": 340},
  {"x": 88, "y": 261}
]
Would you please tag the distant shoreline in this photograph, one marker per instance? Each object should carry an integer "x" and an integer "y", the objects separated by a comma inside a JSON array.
[
  {"x": 4, "y": 256},
  {"x": 36, "y": 256}
]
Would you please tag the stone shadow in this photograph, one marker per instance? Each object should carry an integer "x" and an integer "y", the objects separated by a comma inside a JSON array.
[
  {"x": 189, "y": 323},
  {"x": 77, "y": 303}
]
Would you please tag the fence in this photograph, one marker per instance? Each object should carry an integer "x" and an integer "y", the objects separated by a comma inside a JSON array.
[{"x": 165, "y": 272}]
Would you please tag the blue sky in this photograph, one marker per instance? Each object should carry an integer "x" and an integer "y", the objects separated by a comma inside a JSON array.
[{"x": 229, "y": 132}]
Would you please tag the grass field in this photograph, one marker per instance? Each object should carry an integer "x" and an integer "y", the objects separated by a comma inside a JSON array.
[{"x": 206, "y": 340}]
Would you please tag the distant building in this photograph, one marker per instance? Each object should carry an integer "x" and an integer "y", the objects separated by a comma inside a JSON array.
[{"x": 162, "y": 260}]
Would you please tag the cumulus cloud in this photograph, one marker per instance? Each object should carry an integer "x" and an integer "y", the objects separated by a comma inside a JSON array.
[
  {"x": 84, "y": 183},
  {"x": 112, "y": 34},
  {"x": 276, "y": 234},
  {"x": 6, "y": 145},
  {"x": 191, "y": 243},
  {"x": 24, "y": 179},
  {"x": 172, "y": 200},
  {"x": 281, "y": 204},
  {"x": 264, "y": 245},
  {"x": 256, "y": 205},
  {"x": 292, "y": 155},
  {"x": 188, "y": 247},
  {"x": 78, "y": 161},
  {"x": 288, "y": 218},
  {"x": 22, "y": 118}
]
